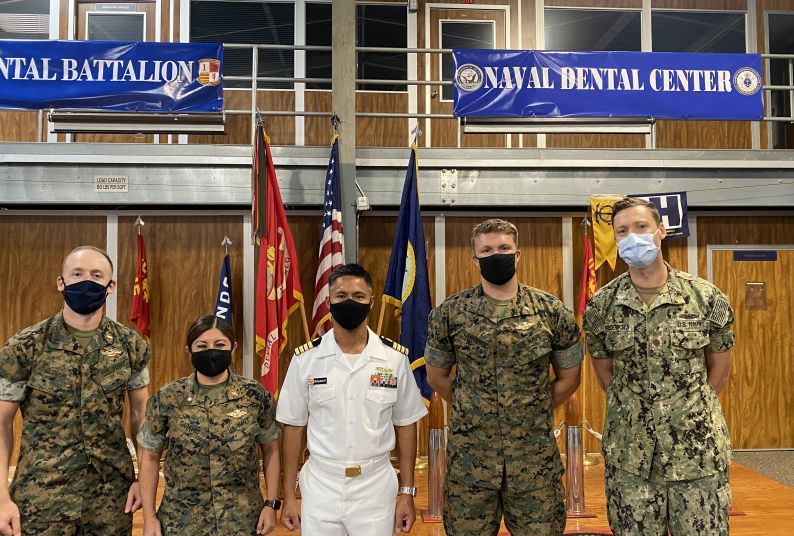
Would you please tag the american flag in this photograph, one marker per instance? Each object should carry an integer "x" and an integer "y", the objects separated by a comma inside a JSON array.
[{"x": 332, "y": 253}]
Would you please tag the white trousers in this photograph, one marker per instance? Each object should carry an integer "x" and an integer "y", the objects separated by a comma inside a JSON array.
[{"x": 335, "y": 505}]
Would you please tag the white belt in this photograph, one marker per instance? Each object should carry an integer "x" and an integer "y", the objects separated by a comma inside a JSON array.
[{"x": 348, "y": 469}]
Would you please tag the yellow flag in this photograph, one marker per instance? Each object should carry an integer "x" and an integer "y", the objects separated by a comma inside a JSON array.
[{"x": 605, "y": 247}]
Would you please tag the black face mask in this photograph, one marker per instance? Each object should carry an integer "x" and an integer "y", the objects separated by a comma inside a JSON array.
[
  {"x": 349, "y": 314},
  {"x": 85, "y": 297},
  {"x": 498, "y": 268},
  {"x": 211, "y": 362}
]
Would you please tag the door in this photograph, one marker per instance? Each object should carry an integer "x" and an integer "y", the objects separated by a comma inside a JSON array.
[
  {"x": 758, "y": 402},
  {"x": 460, "y": 28}
]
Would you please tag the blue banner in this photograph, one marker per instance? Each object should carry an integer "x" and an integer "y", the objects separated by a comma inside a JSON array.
[
  {"x": 673, "y": 210},
  {"x": 223, "y": 304},
  {"x": 526, "y": 83},
  {"x": 111, "y": 76},
  {"x": 407, "y": 284}
]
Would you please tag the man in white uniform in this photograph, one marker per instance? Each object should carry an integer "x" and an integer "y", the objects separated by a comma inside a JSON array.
[{"x": 356, "y": 393}]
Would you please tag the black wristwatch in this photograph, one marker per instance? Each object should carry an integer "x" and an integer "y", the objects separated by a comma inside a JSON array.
[{"x": 275, "y": 504}]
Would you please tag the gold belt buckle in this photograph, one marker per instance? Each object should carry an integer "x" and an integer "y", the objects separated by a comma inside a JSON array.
[{"x": 353, "y": 470}]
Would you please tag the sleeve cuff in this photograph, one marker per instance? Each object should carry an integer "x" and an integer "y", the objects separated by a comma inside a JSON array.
[
  {"x": 412, "y": 419},
  {"x": 12, "y": 391},
  {"x": 266, "y": 436},
  {"x": 150, "y": 441},
  {"x": 570, "y": 357},
  {"x": 138, "y": 380},
  {"x": 439, "y": 358}
]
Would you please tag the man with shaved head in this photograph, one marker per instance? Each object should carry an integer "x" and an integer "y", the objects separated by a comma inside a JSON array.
[{"x": 69, "y": 375}]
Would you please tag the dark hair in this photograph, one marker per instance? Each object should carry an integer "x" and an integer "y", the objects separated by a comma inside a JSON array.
[
  {"x": 352, "y": 269},
  {"x": 629, "y": 202},
  {"x": 90, "y": 248},
  {"x": 205, "y": 323}
]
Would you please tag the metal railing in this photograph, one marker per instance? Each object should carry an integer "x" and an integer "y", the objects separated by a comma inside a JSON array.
[{"x": 255, "y": 80}]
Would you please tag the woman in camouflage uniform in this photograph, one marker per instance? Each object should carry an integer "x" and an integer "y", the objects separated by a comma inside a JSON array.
[{"x": 211, "y": 423}]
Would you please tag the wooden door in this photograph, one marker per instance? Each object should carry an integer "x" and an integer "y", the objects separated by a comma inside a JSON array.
[{"x": 460, "y": 28}]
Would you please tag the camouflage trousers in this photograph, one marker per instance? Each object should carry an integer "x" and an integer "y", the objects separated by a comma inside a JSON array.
[
  {"x": 650, "y": 507},
  {"x": 100, "y": 507},
  {"x": 474, "y": 511}
]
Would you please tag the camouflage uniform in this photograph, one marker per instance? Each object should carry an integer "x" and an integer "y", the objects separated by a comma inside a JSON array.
[
  {"x": 502, "y": 452},
  {"x": 666, "y": 444},
  {"x": 74, "y": 468},
  {"x": 211, "y": 468}
]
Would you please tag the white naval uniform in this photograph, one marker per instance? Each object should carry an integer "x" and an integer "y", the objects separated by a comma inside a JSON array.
[{"x": 350, "y": 414}]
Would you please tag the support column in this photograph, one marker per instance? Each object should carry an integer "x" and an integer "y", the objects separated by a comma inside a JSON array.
[{"x": 343, "y": 98}]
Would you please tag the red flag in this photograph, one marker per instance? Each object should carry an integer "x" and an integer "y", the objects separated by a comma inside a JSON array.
[
  {"x": 278, "y": 288},
  {"x": 139, "y": 310},
  {"x": 588, "y": 287}
]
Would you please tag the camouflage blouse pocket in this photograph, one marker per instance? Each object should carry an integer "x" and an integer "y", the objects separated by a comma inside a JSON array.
[
  {"x": 691, "y": 340},
  {"x": 619, "y": 337},
  {"x": 47, "y": 380},
  {"x": 113, "y": 380}
]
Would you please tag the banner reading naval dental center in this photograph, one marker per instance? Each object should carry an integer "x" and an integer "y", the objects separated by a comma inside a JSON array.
[
  {"x": 526, "y": 83},
  {"x": 111, "y": 75}
]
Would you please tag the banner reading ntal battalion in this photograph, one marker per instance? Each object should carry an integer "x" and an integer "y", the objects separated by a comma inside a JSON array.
[
  {"x": 530, "y": 83},
  {"x": 111, "y": 76}
]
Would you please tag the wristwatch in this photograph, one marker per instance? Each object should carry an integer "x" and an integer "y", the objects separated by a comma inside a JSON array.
[
  {"x": 275, "y": 504},
  {"x": 405, "y": 490}
]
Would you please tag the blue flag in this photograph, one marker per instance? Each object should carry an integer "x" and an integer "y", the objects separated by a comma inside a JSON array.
[
  {"x": 407, "y": 286},
  {"x": 673, "y": 210},
  {"x": 223, "y": 305}
]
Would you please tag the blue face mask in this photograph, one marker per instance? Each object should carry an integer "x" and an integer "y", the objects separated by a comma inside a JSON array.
[{"x": 638, "y": 250}]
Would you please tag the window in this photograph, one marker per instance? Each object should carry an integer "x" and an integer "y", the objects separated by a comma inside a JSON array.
[
  {"x": 25, "y": 19},
  {"x": 781, "y": 73},
  {"x": 256, "y": 23},
  {"x": 468, "y": 34},
  {"x": 692, "y": 31},
  {"x": 377, "y": 25},
  {"x": 592, "y": 29},
  {"x": 116, "y": 26}
]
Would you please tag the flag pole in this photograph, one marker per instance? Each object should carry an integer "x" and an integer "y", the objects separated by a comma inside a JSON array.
[
  {"x": 305, "y": 322},
  {"x": 226, "y": 243},
  {"x": 380, "y": 316},
  {"x": 588, "y": 461},
  {"x": 139, "y": 223}
]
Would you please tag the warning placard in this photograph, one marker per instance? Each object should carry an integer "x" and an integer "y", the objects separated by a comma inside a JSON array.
[{"x": 111, "y": 183}]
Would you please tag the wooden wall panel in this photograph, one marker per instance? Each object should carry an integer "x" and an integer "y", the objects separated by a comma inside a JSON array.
[
  {"x": 20, "y": 126},
  {"x": 184, "y": 255},
  {"x": 595, "y": 141},
  {"x": 33, "y": 250},
  {"x": 317, "y": 130},
  {"x": 703, "y": 135},
  {"x": 758, "y": 402},
  {"x": 381, "y": 131},
  {"x": 281, "y": 129}
]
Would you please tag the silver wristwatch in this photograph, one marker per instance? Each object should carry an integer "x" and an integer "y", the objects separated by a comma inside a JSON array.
[{"x": 405, "y": 490}]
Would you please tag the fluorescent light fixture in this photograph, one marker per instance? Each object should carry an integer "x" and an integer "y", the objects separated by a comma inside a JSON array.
[
  {"x": 136, "y": 123},
  {"x": 557, "y": 125}
]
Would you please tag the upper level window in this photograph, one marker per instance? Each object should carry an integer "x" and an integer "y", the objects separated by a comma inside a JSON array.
[
  {"x": 25, "y": 19},
  {"x": 377, "y": 25},
  {"x": 694, "y": 31},
  {"x": 253, "y": 23},
  {"x": 592, "y": 29}
]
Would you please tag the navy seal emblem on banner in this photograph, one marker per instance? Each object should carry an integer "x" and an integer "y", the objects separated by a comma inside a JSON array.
[
  {"x": 469, "y": 77},
  {"x": 747, "y": 81},
  {"x": 673, "y": 210}
]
